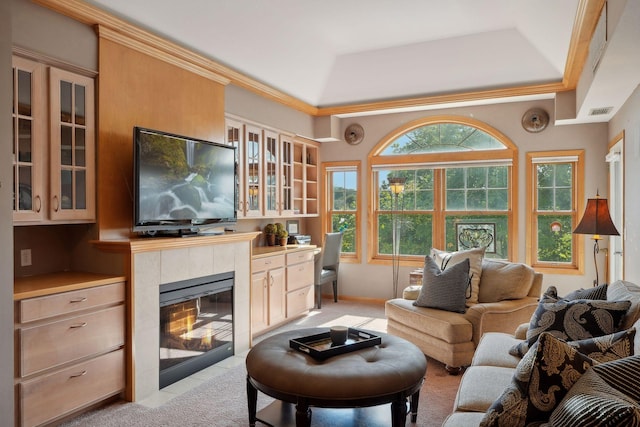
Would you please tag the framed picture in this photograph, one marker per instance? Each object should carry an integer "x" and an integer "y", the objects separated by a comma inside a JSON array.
[
  {"x": 293, "y": 226},
  {"x": 476, "y": 235}
]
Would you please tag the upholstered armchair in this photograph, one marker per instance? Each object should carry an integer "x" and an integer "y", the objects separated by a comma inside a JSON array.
[{"x": 327, "y": 263}]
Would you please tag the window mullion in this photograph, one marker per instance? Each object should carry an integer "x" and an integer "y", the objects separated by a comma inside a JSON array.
[{"x": 439, "y": 202}]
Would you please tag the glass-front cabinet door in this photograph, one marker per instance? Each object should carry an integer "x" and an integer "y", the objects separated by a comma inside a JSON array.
[
  {"x": 271, "y": 161},
  {"x": 253, "y": 171},
  {"x": 72, "y": 146},
  {"x": 235, "y": 135},
  {"x": 28, "y": 117},
  {"x": 286, "y": 178}
]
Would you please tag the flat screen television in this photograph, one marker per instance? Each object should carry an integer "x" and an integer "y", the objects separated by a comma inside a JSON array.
[{"x": 182, "y": 185}]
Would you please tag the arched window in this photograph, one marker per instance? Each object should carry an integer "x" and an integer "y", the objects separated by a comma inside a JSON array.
[{"x": 458, "y": 178}]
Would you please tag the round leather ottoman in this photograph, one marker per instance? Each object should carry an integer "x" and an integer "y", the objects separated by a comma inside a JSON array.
[{"x": 389, "y": 372}]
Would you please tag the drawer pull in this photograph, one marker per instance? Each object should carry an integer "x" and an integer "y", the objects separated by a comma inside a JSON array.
[
  {"x": 78, "y": 325},
  {"x": 75, "y": 300},
  {"x": 81, "y": 374}
]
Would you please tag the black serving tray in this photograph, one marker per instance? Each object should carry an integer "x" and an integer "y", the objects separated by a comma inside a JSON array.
[{"x": 320, "y": 347}]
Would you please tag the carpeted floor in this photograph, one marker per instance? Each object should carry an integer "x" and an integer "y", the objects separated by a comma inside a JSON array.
[{"x": 221, "y": 401}]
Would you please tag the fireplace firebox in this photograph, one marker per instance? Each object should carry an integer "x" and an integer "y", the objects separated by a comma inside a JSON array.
[{"x": 196, "y": 325}]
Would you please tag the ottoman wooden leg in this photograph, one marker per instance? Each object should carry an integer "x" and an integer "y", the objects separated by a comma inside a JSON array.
[
  {"x": 413, "y": 408},
  {"x": 252, "y": 402},
  {"x": 303, "y": 415},
  {"x": 399, "y": 413}
]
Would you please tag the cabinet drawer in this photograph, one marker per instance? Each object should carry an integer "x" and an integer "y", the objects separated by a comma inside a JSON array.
[
  {"x": 66, "y": 340},
  {"x": 299, "y": 256},
  {"x": 267, "y": 263},
  {"x": 69, "y": 302},
  {"x": 58, "y": 393},
  {"x": 300, "y": 275},
  {"x": 299, "y": 301}
]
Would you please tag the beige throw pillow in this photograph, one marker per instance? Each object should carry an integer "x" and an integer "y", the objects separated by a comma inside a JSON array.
[
  {"x": 475, "y": 256},
  {"x": 503, "y": 280}
]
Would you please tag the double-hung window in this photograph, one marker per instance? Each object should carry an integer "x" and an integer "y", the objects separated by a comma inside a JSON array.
[
  {"x": 342, "y": 197},
  {"x": 554, "y": 185}
]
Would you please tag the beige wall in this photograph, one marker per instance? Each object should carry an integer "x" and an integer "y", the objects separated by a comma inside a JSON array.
[
  {"x": 246, "y": 104},
  {"x": 375, "y": 281},
  {"x": 628, "y": 121},
  {"x": 6, "y": 221},
  {"x": 43, "y": 31}
]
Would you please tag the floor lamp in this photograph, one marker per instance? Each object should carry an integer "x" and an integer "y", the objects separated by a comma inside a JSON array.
[
  {"x": 396, "y": 185},
  {"x": 597, "y": 221}
]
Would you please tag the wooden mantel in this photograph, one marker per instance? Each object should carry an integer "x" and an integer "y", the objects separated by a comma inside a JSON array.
[{"x": 150, "y": 244}]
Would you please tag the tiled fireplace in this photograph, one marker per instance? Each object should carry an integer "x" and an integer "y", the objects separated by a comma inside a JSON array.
[{"x": 153, "y": 265}]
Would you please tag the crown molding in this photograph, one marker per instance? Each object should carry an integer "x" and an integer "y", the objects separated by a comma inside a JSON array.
[{"x": 121, "y": 31}]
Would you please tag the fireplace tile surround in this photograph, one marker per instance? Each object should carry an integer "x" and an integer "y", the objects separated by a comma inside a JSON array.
[{"x": 158, "y": 261}]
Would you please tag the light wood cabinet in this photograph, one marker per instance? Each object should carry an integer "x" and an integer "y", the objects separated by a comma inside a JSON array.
[
  {"x": 277, "y": 174},
  {"x": 29, "y": 134},
  {"x": 286, "y": 176},
  {"x": 69, "y": 348},
  {"x": 268, "y": 304},
  {"x": 235, "y": 138},
  {"x": 53, "y": 145},
  {"x": 281, "y": 287},
  {"x": 253, "y": 184},
  {"x": 305, "y": 183},
  {"x": 299, "y": 282},
  {"x": 271, "y": 167},
  {"x": 72, "y": 157}
]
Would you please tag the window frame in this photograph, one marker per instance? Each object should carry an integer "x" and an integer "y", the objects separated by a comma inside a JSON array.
[
  {"x": 439, "y": 161},
  {"x": 327, "y": 204},
  {"x": 576, "y": 267}
]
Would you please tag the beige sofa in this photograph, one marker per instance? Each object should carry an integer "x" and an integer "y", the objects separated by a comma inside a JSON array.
[
  {"x": 508, "y": 296},
  {"x": 492, "y": 369}
]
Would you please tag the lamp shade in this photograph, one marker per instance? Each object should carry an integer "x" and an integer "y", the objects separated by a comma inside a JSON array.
[
  {"x": 396, "y": 185},
  {"x": 597, "y": 220}
]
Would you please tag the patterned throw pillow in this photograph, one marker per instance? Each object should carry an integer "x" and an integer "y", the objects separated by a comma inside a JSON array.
[
  {"x": 597, "y": 292},
  {"x": 444, "y": 289},
  {"x": 606, "y": 395},
  {"x": 607, "y": 347},
  {"x": 573, "y": 320},
  {"x": 475, "y": 256},
  {"x": 541, "y": 380}
]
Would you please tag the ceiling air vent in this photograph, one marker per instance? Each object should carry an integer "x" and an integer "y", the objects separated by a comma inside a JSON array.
[{"x": 600, "y": 111}]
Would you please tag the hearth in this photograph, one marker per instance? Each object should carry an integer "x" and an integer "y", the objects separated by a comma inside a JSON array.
[{"x": 196, "y": 325}]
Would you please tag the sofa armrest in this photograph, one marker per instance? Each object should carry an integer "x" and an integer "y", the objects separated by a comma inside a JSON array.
[
  {"x": 502, "y": 316},
  {"x": 521, "y": 331}
]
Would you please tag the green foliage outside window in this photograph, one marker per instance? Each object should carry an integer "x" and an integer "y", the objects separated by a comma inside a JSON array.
[
  {"x": 555, "y": 186},
  {"x": 442, "y": 137},
  {"x": 555, "y": 204},
  {"x": 478, "y": 188},
  {"x": 555, "y": 246},
  {"x": 346, "y": 224},
  {"x": 415, "y": 234},
  {"x": 345, "y": 204}
]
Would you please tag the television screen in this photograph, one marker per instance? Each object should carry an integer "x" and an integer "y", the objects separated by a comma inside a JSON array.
[{"x": 182, "y": 182}]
